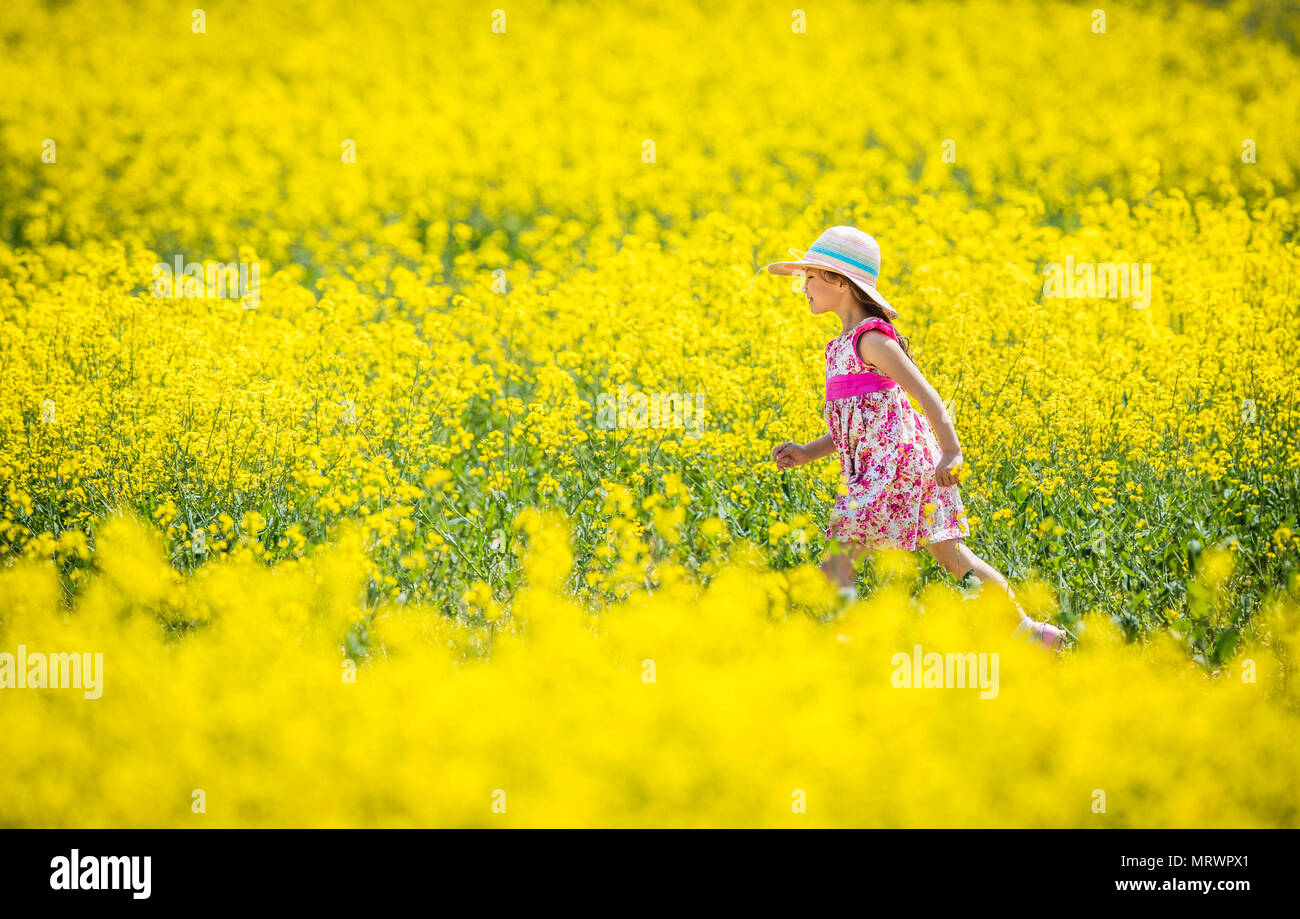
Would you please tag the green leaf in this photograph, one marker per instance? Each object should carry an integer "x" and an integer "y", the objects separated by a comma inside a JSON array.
[{"x": 1225, "y": 644}]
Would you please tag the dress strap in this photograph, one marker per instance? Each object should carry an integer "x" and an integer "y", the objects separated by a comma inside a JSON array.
[
  {"x": 868, "y": 325},
  {"x": 880, "y": 325}
]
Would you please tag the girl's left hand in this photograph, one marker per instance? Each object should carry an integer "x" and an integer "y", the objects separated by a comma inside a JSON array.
[{"x": 949, "y": 468}]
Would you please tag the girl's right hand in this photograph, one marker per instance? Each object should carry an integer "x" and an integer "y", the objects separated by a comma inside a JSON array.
[{"x": 789, "y": 454}]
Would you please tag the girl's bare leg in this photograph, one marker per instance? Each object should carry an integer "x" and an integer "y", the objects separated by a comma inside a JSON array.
[
  {"x": 957, "y": 559},
  {"x": 839, "y": 565}
]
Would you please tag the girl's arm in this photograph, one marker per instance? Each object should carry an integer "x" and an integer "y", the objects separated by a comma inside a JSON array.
[
  {"x": 821, "y": 447},
  {"x": 882, "y": 352},
  {"x": 791, "y": 454}
]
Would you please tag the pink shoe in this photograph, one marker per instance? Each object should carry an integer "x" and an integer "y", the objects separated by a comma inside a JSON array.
[{"x": 1048, "y": 635}]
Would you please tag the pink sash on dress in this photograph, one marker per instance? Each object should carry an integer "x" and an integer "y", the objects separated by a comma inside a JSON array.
[{"x": 855, "y": 384}]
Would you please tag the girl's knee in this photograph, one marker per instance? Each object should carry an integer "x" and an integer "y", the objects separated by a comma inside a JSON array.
[
  {"x": 948, "y": 554},
  {"x": 848, "y": 551}
]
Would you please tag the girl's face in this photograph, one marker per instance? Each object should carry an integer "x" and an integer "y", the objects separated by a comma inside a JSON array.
[{"x": 823, "y": 295}]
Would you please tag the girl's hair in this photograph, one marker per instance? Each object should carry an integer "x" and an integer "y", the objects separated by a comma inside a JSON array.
[{"x": 873, "y": 309}]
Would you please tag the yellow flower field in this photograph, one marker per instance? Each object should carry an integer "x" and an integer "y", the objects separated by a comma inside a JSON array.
[{"x": 381, "y": 543}]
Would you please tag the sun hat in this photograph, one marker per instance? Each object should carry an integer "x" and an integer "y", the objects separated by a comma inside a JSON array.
[{"x": 846, "y": 250}]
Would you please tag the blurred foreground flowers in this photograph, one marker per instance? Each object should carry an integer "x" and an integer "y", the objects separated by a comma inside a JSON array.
[{"x": 282, "y": 703}]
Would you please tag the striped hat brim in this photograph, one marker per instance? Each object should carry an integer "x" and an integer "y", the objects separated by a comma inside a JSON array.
[{"x": 789, "y": 268}]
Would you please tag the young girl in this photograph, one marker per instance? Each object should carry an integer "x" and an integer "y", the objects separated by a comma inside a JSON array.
[{"x": 901, "y": 472}]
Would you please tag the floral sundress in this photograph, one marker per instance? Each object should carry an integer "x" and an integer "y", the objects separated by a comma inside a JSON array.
[{"x": 888, "y": 456}]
